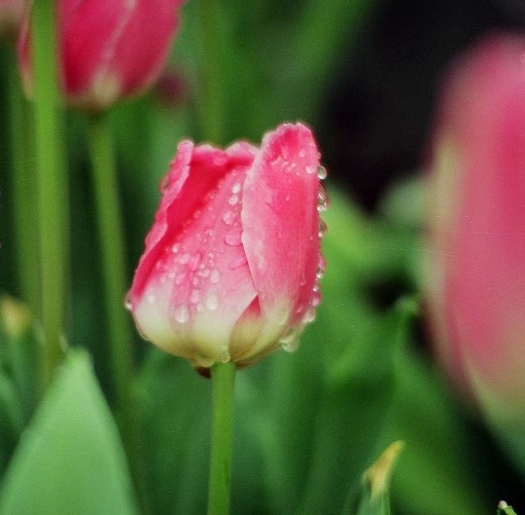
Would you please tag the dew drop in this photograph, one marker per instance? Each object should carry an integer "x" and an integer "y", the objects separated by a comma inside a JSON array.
[
  {"x": 194, "y": 262},
  {"x": 203, "y": 272},
  {"x": 195, "y": 296},
  {"x": 128, "y": 303},
  {"x": 302, "y": 153},
  {"x": 323, "y": 228},
  {"x": 316, "y": 299},
  {"x": 322, "y": 173},
  {"x": 322, "y": 200},
  {"x": 291, "y": 346},
  {"x": 309, "y": 315},
  {"x": 238, "y": 262},
  {"x": 317, "y": 287},
  {"x": 215, "y": 276},
  {"x": 233, "y": 200},
  {"x": 229, "y": 217},
  {"x": 236, "y": 187},
  {"x": 179, "y": 279},
  {"x": 182, "y": 314},
  {"x": 310, "y": 169},
  {"x": 233, "y": 237},
  {"x": 185, "y": 258},
  {"x": 212, "y": 301},
  {"x": 224, "y": 356},
  {"x": 321, "y": 267}
]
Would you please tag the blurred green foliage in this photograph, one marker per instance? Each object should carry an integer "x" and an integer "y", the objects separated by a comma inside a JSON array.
[{"x": 307, "y": 424}]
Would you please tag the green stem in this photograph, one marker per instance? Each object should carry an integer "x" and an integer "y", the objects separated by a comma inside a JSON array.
[
  {"x": 52, "y": 186},
  {"x": 24, "y": 194},
  {"x": 223, "y": 379},
  {"x": 111, "y": 234},
  {"x": 211, "y": 104},
  {"x": 113, "y": 257}
]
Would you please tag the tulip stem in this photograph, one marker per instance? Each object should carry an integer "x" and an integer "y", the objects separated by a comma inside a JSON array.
[
  {"x": 223, "y": 380},
  {"x": 52, "y": 187},
  {"x": 211, "y": 104},
  {"x": 111, "y": 235},
  {"x": 24, "y": 196}
]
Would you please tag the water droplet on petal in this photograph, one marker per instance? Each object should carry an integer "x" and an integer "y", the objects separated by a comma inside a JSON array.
[
  {"x": 238, "y": 262},
  {"x": 215, "y": 276},
  {"x": 203, "y": 272},
  {"x": 194, "y": 297},
  {"x": 212, "y": 301},
  {"x": 233, "y": 237},
  {"x": 229, "y": 217},
  {"x": 291, "y": 346},
  {"x": 233, "y": 200},
  {"x": 194, "y": 262},
  {"x": 322, "y": 173},
  {"x": 309, "y": 316},
  {"x": 179, "y": 279},
  {"x": 322, "y": 200},
  {"x": 321, "y": 267},
  {"x": 310, "y": 169},
  {"x": 323, "y": 228},
  {"x": 236, "y": 187},
  {"x": 128, "y": 303},
  {"x": 185, "y": 258},
  {"x": 316, "y": 299},
  {"x": 182, "y": 314}
]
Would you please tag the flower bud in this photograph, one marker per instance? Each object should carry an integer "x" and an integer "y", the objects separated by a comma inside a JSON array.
[
  {"x": 109, "y": 49},
  {"x": 11, "y": 12},
  {"x": 476, "y": 277},
  {"x": 232, "y": 263}
]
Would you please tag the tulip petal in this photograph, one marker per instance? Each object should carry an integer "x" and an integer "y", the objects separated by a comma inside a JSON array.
[
  {"x": 281, "y": 227},
  {"x": 193, "y": 282}
]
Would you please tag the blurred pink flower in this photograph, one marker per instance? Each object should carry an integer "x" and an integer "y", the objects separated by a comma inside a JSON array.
[
  {"x": 11, "y": 12},
  {"x": 110, "y": 49},
  {"x": 476, "y": 277},
  {"x": 232, "y": 263}
]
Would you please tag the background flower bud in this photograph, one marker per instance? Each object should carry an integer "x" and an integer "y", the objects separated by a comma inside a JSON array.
[
  {"x": 109, "y": 49},
  {"x": 231, "y": 265},
  {"x": 11, "y": 12},
  {"x": 476, "y": 281}
]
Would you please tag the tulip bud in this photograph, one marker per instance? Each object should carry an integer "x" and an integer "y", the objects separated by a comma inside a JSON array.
[
  {"x": 232, "y": 263},
  {"x": 476, "y": 277},
  {"x": 109, "y": 49},
  {"x": 11, "y": 12}
]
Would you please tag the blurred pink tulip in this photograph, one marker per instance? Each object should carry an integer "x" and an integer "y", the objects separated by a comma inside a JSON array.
[
  {"x": 110, "y": 49},
  {"x": 11, "y": 12},
  {"x": 232, "y": 263},
  {"x": 476, "y": 277}
]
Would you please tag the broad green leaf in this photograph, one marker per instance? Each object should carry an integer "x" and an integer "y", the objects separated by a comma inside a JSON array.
[{"x": 70, "y": 459}]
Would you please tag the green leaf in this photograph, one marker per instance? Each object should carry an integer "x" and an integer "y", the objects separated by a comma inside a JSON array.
[
  {"x": 376, "y": 482},
  {"x": 70, "y": 459}
]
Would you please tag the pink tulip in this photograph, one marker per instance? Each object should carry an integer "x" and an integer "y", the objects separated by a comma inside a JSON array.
[
  {"x": 232, "y": 263},
  {"x": 11, "y": 12},
  {"x": 109, "y": 49},
  {"x": 477, "y": 227}
]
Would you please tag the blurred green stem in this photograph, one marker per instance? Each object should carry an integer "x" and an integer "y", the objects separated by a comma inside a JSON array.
[
  {"x": 223, "y": 381},
  {"x": 52, "y": 185},
  {"x": 24, "y": 195},
  {"x": 112, "y": 246},
  {"x": 211, "y": 88}
]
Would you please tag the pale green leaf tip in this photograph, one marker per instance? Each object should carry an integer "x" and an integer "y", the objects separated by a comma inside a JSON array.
[{"x": 378, "y": 475}]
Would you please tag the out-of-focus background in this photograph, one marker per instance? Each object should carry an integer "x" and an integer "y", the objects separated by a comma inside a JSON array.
[{"x": 365, "y": 76}]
